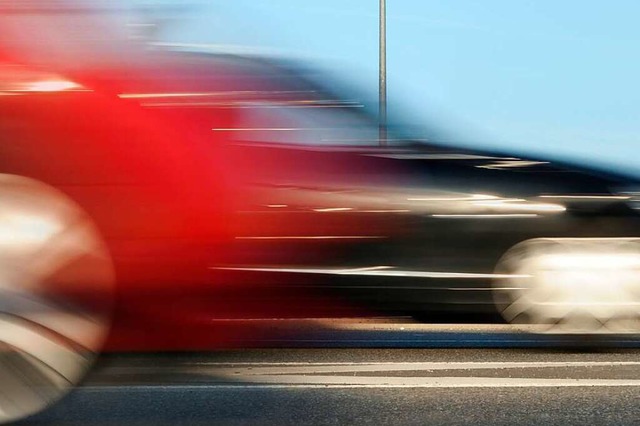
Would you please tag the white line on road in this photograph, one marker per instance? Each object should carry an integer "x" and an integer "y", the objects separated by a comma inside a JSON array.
[
  {"x": 360, "y": 375},
  {"x": 313, "y": 367},
  {"x": 345, "y": 374},
  {"x": 379, "y": 383},
  {"x": 434, "y": 382}
]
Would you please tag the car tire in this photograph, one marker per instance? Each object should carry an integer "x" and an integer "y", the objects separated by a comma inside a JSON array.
[
  {"x": 56, "y": 287},
  {"x": 571, "y": 285}
]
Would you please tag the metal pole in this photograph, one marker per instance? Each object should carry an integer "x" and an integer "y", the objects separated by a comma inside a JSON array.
[{"x": 383, "y": 74}]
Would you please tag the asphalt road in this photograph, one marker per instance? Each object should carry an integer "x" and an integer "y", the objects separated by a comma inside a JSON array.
[{"x": 515, "y": 378}]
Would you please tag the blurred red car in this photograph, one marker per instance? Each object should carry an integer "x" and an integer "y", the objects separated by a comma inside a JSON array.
[{"x": 151, "y": 198}]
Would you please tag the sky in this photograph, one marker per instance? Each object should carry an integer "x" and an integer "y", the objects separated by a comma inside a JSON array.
[{"x": 545, "y": 77}]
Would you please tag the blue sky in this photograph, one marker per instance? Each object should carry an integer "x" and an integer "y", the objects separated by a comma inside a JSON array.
[{"x": 544, "y": 76}]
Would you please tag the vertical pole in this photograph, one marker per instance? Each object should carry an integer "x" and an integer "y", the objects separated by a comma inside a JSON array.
[{"x": 383, "y": 74}]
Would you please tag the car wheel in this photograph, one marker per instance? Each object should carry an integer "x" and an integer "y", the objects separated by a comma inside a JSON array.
[
  {"x": 56, "y": 283},
  {"x": 571, "y": 285}
]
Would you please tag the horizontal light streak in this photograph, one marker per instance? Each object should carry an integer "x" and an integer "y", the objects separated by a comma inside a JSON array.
[
  {"x": 377, "y": 271},
  {"x": 260, "y": 129},
  {"x": 472, "y": 197},
  {"x": 516, "y": 204},
  {"x": 333, "y": 209},
  {"x": 384, "y": 211},
  {"x": 512, "y": 164},
  {"x": 313, "y": 237},
  {"x": 442, "y": 156},
  {"x": 588, "y": 197},
  {"x": 204, "y": 94},
  {"x": 485, "y": 216}
]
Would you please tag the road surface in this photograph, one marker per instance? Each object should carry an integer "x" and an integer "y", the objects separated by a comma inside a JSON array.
[{"x": 451, "y": 378}]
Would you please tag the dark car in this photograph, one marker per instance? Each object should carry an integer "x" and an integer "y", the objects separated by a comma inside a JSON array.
[{"x": 152, "y": 198}]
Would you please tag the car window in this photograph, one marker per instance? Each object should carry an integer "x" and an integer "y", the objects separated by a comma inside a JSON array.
[{"x": 318, "y": 122}]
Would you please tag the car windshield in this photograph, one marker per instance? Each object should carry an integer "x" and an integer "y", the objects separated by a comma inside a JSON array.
[{"x": 297, "y": 104}]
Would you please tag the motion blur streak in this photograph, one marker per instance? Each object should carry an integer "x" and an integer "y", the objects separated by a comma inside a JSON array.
[
  {"x": 314, "y": 237},
  {"x": 151, "y": 195},
  {"x": 565, "y": 287},
  {"x": 485, "y": 216},
  {"x": 15, "y": 79},
  {"x": 51, "y": 86},
  {"x": 55, "y": 295},
  {"x": 380, "y": 271},
  {"x": 588, "y": 197}
]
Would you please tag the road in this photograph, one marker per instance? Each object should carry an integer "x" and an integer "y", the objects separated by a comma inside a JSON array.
[{"x": 458, "y": 375}]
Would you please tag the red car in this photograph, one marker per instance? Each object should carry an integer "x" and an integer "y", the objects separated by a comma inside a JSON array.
[
  {"x": 143, "y": 201},
  {"x": 128, "y": 175}
]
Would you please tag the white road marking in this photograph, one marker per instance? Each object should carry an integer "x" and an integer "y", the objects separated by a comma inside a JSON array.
[
  {"x": 433, "y": 382},
  {"x": 283, "y": 375},
  {"x": 315, "y": 374},
  {"x": 284, "y": 382},
  {"x": 335, "y": 367}
]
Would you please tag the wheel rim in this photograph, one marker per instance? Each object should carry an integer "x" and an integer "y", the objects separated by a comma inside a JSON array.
[
  {"x": 571, "y": 285},
  {"x": 56, "y": 282}
]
